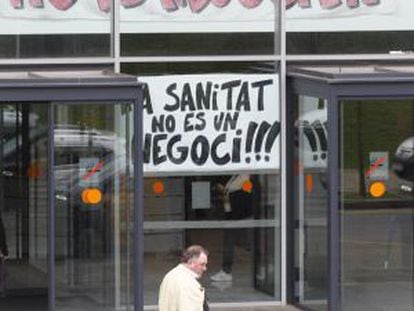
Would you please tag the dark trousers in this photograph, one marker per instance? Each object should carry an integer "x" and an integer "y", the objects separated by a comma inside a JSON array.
[
  {"x": 231, "y": 238},
  {"x": 228, "y": 250},
  {"x": 2, "y": 277},
  {"x": 241, "y": 208}
]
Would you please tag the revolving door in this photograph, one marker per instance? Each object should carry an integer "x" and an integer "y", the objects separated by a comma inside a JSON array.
[
  {"x": 352, "y": 176},
  {"x": 69, "y": 191}
]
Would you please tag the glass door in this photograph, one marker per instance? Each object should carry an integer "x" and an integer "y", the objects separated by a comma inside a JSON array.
[
  {"x": 311, "y": 201},
  {"x": 23, "y": 206},
  {"x": 94, "y": 206},
  {"x": 376, "y": 205}
]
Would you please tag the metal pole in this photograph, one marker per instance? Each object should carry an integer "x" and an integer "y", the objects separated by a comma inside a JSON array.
[{"x": 51, "y": 207}]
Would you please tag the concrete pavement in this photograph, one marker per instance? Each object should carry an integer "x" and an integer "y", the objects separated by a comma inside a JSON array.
[{"x": 261, "y": 308}]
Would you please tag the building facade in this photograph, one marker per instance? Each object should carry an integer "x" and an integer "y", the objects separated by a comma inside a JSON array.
[{"x": 277, "y": 134}]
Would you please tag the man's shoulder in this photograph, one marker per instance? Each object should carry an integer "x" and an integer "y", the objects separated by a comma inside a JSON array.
[{"x": 177, "y": 270}]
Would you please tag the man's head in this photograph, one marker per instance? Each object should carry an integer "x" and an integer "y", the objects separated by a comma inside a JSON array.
[{"x": 195, "y": 258}]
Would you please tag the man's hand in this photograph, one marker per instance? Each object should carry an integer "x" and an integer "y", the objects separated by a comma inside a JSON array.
[{"x": 219, "y": 187}]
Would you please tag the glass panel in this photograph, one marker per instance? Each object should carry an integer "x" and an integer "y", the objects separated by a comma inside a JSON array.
[
  {"x": 349, "y": 27},
  {"x": 198, "y": 44},
  {"x": 349, "y": 42},
  {"x": 212, "y": 183},
  {"x": 176, "y": 28},
  {"x": 376, "y": 205},
  {"x": 55, "y": 28},
  {"x": 94, "y": 206},
  {"x": 23, "y": 206},
  {"x": 311, "y": 199},
  {"x": 240, "y": 234}
]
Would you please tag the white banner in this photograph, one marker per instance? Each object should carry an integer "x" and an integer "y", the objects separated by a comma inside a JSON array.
[
  {"x": 349, "y": 15},
  {"x": 207, "y": 123},
  {"x": 189, "y": 16}
]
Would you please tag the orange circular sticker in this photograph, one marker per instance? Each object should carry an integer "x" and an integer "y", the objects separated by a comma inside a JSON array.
[
  {"x": 34, "y": 171},
  {"x": 247, "y": 186},
  {"x": 158, "y": 187},
  {"x": 91, "y": 196},
  {"x": 377, "y": 189}
]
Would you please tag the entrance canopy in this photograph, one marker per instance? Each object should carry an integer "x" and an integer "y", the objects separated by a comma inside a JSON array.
[
  {"x": 350, "y": 73},
  {"x": 349, "y": 79},
  {"x": 30, "y": 85}
]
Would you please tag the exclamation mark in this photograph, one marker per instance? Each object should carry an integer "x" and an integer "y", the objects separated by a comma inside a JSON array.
[
  {"x": 274, "y": 131},
  {"x": 310, "y": 135},
  {"x": 264, "y": 127},
  {"x": 317, "y": 125},
  {"x": 249, "y": 138}
]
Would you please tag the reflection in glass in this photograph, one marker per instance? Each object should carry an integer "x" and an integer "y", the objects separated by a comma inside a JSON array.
[
  {"x": 239, "y": 228},
  {"x": 94, "y": 206},
  {"x": 55, "y": 28},
  {"x": 310, "y": 165},
  {"x": 24, "y": 205},
  {"x": 377, "y": 231},
  {"x": 54, "y": 45},
  {"x": 348, "y": 42},
  {"x": 236, "y": 28},
  {"x": 198, "y": 44}
]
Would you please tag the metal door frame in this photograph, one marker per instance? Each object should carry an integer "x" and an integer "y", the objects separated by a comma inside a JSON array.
[
  {"x": 52, "y": 88},
  {"x": 335, "y": 88},
  {"x": 296, "y": 86}
]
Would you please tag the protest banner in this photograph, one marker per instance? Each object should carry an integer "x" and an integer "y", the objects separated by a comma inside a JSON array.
[{"x": 206, "y": 123}]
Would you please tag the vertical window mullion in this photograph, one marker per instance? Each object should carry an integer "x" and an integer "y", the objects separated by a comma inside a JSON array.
[{"x": 51, "y": 208}]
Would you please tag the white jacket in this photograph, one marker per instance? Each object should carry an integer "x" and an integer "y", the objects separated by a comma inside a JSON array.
[{"x": 180, "y": 291}]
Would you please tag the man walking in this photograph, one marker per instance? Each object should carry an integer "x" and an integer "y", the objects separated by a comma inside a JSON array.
[{"x": 180, "y": 289}]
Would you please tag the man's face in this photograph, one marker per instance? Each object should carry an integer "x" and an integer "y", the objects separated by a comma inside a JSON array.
[{"x": 199, "y": 265}]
